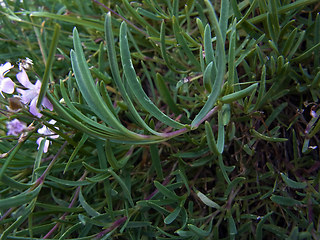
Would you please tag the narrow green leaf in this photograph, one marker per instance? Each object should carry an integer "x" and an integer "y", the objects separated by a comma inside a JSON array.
[
  {"x": 116, "y": 74},
  {"x": 221, "y": 66},
  {"x": 20, "y": 199},
  {"x": 184, "y": 178},
  {"x": 232, "y": 226},
  {"x": 207, "y": 42},
  {"x": 186, "y": 234},
  {"x": 262, "y": 88},
  {"x": 156, "y": 207},
  {"x": 166, "y": 192},
  {"x": 70, "y": 230},
  {"x": 239, "y": 94},
  {"x": 68, "y": 182},
  {"x": 157, "y": 8},
  {"x": 274, "y": 20},
  {"x": 76, "y": 150},
  {"x": 80, "y": 116},
  {"x": 170, "y": 236},
  {"x": 75, "y": 122},
  {"x": 110, "y": 156},
  {"x": 149, "y": 78},
  {"x": 190, "y": 40},
  {"x": 169, "y": 62},
  {"x": 316, "y": 128},
  {"x": 69, "y": 18},
  {"x": 50, "y": 60},
  {"x": 284, "y": 29},
  {"x": 306, "y": 53},
  {"x": 251, "y": 48},
  {"x": 148, "y": 14},
  {"x": 259, "y": 235},
  {"x": 223, "y": 169},
  {"x": 293, "y": 184},
  {"x": 284, "y": 201},
  {"x": 232, "y": 56},
  {"x": 317, "y": 37},
  {"x": 135, "y": 86},
  {"x": 243, "y": 20},
  {"x": 200, "y": 232},
  {"x": 226, "y": 114},
  {"x": 233, "y": 184},
  {"x": 156, "y": 160},
  {"x": 139, "y": 224},
  {"x": 123, "y": 185},
  {"x": 207, "y": 201},
  {"x": 99, "y": 177},
  {"x": 289, "y": 42},
  {"x": 160, "y": 202},
  {"x": 220, "y": 140},
  {"x": 107, "y": 99},
  {"x": 224, "y": 16},
  {"x": 138, "y": 18},
  {"x": 86, "y": 206},
  {"x": 200, "y": 27},
  {"x": 207, "y": 77},
  {"x": 267, "y": 138},
  {"x": 172, "y": 216},
  {"x": 11, "y": 156},
  {"x": 275, "y": 113},
  {"x": 175, "y": 8},
  {"x": 294, "y": 235},
  {"x": 89, "y": 90},
  {"x": 189, "y": 4},
  {"x": 274, "y": 46},
  {"x": 165, "y": 94},
  {"x": 37, "y": 161},
  {"x": 316, "y": 81},
  {"x": 20, "y": 220},
  {"x": 236, "y": 10},
  {"x": 210, "y": 139},
  {"x": 13, "y": 183},
  {"x": 93, "y": 169},
  {"x": 184, "y": 45}
]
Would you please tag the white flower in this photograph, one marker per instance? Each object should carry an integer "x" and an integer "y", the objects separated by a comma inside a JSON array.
[
  {"x": 25, "y": 64},
  {"x": 46, "y": 132},
  {"x": 6, "y": 84},
  {"x": 15, "y": 127},
  {"x": 31, "y": 95}
]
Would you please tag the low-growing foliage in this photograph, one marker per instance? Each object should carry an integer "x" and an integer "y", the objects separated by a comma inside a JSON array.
[{"x": 159, "y": 119}]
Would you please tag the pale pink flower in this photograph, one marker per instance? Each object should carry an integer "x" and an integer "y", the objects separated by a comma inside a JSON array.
[
  {"x": 15, "y": 127},
  {"x": 6, "y": 84},
  {"x": 31, "y": 94},
  {"x": 47, "y": 132}
]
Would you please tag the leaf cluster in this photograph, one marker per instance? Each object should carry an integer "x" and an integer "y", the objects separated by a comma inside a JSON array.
[{"x": 177, "y": 120}]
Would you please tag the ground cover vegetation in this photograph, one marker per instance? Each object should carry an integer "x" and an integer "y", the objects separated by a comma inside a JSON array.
[{"x": 159, "y": 119}]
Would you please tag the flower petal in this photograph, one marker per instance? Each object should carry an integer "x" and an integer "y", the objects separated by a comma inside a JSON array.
[
  {"x": 7, "y": 85},
  {"x": 46, "y": 144},
  {"x": 46, "y": 103},
  {"x": 39, "y": 141},
  {"x": 37, "y": 86},
  {"x": 24, "y": 79},
  {"x": 4, "y": 68},
  {"x": 44, "y": 131},
  {"x": 15, "y": 127},
  {"x": 52, "y": 121},
  {"x": 33, "y": 109},
  {"x": 27, "y": 95}
]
